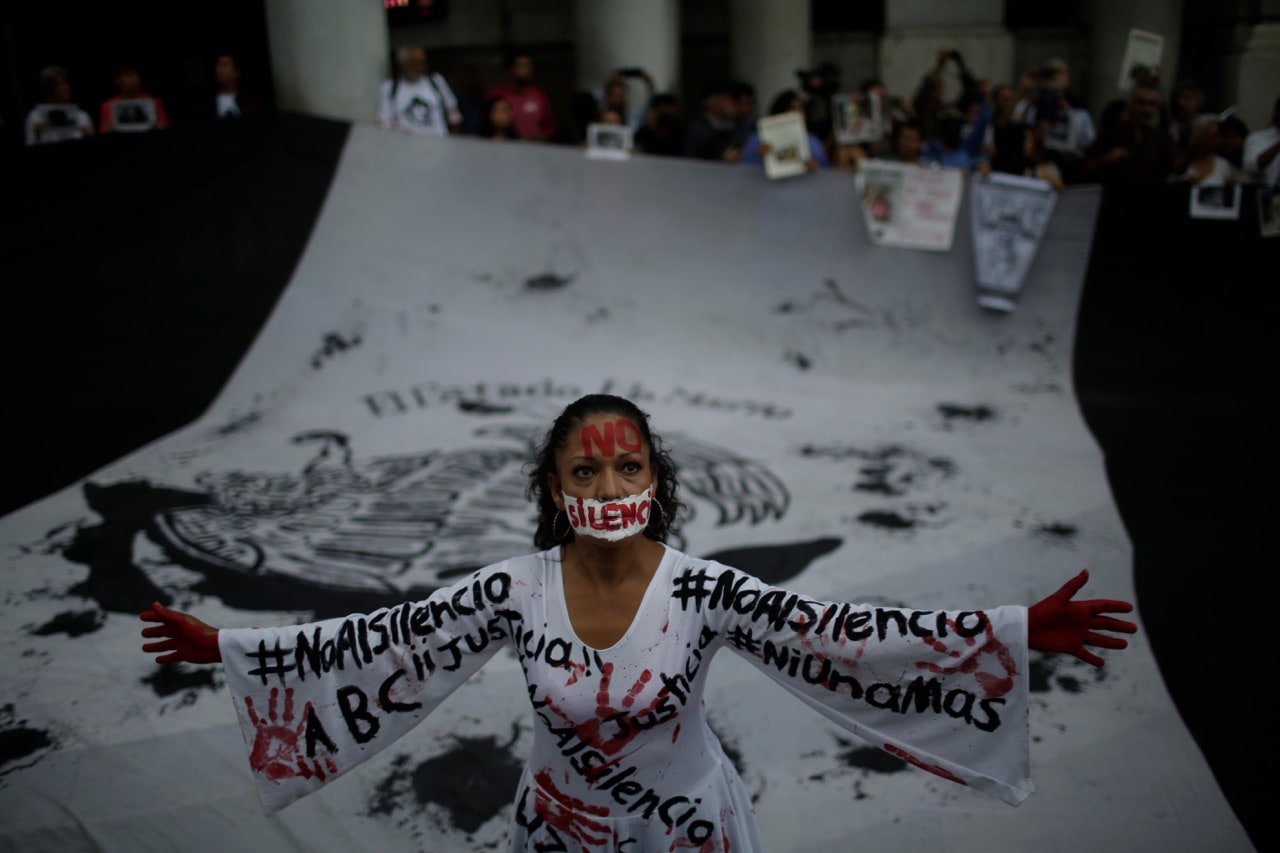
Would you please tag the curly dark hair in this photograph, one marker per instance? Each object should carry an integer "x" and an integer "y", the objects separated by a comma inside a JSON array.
[{"x": 662, "y": 522}]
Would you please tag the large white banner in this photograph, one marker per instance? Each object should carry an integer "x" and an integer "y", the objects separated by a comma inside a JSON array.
[{"x": 847, "y": 422}]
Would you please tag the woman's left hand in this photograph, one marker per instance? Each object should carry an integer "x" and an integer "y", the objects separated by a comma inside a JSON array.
[
  {"x": 182, "y": 638},
  {"x": 1059, "y": 624}
]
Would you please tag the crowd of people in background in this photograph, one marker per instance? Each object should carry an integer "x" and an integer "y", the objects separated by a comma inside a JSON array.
[
  {"x": 58, "y": 117},
  {"x": 1036, "y": 126}
]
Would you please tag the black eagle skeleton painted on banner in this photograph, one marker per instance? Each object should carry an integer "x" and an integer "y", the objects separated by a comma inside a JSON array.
[{"x": 346, "y": 531}]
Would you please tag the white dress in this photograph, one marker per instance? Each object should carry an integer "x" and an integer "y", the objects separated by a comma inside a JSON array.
[{"x": 622, "y": 756}]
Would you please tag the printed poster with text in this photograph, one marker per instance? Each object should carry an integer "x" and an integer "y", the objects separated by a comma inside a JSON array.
[
  {"x": 912, "y": 207},
  {"x": 1010, "y": 214}
]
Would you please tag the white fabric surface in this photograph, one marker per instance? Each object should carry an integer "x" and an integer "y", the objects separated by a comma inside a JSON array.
[{"x": 846, "y": 414}]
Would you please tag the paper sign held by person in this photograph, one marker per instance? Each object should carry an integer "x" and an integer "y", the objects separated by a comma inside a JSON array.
[
  {"x": 134, "y": 115},
  {"x": 1009, "y": 214},
  {"x": 608, "y": 142},
  {"x": 913, "y": 207},
  {"x": 1142, "y": 55},
  {"x": 787, "y": 139},
  {"x": 857, "y": 118}
]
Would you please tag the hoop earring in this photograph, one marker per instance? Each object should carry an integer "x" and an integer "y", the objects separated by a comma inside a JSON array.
[
  {"x": 568, "y": 529},
  {"x": 662, "y": 512}
]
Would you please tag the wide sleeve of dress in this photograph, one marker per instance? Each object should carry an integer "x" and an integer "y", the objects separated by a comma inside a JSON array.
[
  {"x": 945, "y": 691},
  {"x": 316, "y": 700}
]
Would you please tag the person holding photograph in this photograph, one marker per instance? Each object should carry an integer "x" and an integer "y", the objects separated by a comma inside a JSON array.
[
  {"x": 615, "y": 631},
  {"x": 1067, "y": 130},
  {"x": 754, "y": 150},
  {"x": 1204, "y": 165},
  {"x": 131, "y": 109},
  {"x": 878, "y": 114},
  {"x": 619, "y": 92},
  {"x": 610, "y": 138},
  {"x": 56, "y": 118}
]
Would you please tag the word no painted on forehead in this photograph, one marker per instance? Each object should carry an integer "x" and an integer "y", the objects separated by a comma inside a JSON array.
[{"x": 623, "y": 432}]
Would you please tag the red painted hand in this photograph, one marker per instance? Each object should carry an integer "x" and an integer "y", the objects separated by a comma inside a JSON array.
[
  {"x": 1058, "y": 624},
  {"x": 185, "y": 638}
]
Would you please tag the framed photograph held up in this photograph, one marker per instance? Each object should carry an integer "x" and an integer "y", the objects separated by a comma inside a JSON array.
[
  {"x": 788, "y": 141},
  {"x": 857, "y": 118},
  {"x": 609, "y": 142}
]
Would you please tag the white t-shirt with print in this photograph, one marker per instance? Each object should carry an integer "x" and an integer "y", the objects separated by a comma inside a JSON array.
[{"x": 424, "y": 106}]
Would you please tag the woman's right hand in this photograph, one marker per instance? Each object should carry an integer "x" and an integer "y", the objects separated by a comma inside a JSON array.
[{"x": 185, "y": 639}]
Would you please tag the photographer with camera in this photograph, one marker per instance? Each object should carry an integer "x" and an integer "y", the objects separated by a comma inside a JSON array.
[
  {"x": 1046, "y": 103},
  {"x": 1036, "y": 84},
  {"x": 131, "y": 109},
  {"x": 55, "y": 118}
]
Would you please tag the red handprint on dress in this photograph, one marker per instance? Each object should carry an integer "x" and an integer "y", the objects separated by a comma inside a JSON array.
[
  {"x": 970, "y": 658},
  {"x": 276, "y": 752},
  {"x": 615, "y": 719},
  {"x": 570, "y": 816}
]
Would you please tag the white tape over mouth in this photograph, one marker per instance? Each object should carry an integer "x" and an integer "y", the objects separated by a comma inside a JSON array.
[{"x": 609, "y": 520}]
